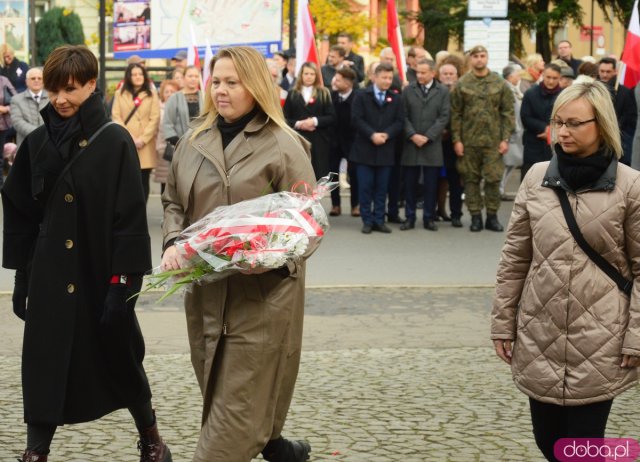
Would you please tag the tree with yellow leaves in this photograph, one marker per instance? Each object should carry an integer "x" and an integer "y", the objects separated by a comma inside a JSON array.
[{"x": 332, "y": 17}]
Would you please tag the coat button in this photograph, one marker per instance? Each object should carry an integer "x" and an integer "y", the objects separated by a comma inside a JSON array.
[
  {"x": 68, "y": 244},
  {"x": 71, "y": 288},
  {"x": 68, "y": 198},
  {"x": 83, "y": 143}
]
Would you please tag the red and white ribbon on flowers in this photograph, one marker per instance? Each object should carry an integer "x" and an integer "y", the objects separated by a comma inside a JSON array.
[{"x": 297, "y": 222}]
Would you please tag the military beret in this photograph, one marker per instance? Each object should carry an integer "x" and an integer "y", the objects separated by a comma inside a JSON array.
[{"x": 477, "y": 49}]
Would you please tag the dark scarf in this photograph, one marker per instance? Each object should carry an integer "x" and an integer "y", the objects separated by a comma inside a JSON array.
[
  {"x": 579, "y": 172},
  {"x": 550, "y": 91},
  {"x": 229, "y": 130},
  {"x": 60, "y": 129}
]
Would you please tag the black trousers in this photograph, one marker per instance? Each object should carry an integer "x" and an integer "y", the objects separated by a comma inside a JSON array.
[
  {"x": 552, "y": 422},
  {"x": 145, "y": 172}
]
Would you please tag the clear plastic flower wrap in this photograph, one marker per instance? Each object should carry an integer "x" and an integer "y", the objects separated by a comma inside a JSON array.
[{"x": 255, "y": 235}]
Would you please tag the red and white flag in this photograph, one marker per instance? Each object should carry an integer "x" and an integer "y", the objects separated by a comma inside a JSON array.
[
  {"x": 208, "y": 56},
  {"x": 394, "y": 35},
  {"x": 193, "y": 57},
  {"x": 306, "y": 50},
  {"x": 629, "y": 74}
]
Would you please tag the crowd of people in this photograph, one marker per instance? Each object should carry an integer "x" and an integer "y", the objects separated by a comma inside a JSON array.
[{"x": 75, "y": 225}]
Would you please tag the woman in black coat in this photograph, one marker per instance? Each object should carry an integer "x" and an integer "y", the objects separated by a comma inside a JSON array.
[
  {"x": 75, "y": 231},
  {"x": 309, "y": 110}
]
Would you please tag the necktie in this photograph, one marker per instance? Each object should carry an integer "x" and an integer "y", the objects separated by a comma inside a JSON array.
[
  {"x": 381, "y": 97},
  {"x": 36, "y": 98}
]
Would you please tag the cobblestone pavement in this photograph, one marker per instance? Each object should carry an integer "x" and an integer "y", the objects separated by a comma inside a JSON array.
[{"x": 387, "y": 374}]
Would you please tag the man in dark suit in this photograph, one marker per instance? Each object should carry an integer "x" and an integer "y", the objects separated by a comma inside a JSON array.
[
  {"x": 427, "y": 110},
  {"x": 623, "y": 102},
  {"x": 345, "y": 133},
  {"x": 351, "y": 59},
  {"x": 335, "y": 61},
  {"x": 378, "y": 117},
  {"x": 565, "y": 53}
]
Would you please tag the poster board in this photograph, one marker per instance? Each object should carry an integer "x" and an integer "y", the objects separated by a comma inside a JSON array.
[
  {"x": 14, "y": 26},
  {"x": 494, "y": 35},
  {"x": 160, "y": 28}
]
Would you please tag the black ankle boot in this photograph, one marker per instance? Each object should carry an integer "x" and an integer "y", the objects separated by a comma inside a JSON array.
[
  {"x": 492, "y": 223},
  {"x": 283, "y": 450},
  {"x": 31, "y": 456},
  {"x": 476, "y": 223}
]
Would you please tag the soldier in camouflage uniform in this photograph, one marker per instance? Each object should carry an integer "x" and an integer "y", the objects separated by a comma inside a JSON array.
[{"x": 482, "y": 119}]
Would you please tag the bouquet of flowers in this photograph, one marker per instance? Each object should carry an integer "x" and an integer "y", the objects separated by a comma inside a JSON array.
[{"x": 257, "y": 234}]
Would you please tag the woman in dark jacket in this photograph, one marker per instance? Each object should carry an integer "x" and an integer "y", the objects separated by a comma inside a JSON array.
[
  {"x": 309, "y": 110},
  {"x": 75, "y": 231},
  {"x": 535, "y": 113}
]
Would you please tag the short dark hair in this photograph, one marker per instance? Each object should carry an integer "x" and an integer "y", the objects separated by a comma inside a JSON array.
[
  {"x": 346, "y": 35},
  {"x": 347, "y": 73},
  {"x": 565, "y": 41},
  {"x": 341, "y": 51},
  {"x": 383, "y": 67},
  {"x": 127, "y": 85},
  {"x": 608, "y": 60},
  {"x": 429, "y": 62},
  {"x": 553, "y": 67},
  {"x": 74, "y": 62}
]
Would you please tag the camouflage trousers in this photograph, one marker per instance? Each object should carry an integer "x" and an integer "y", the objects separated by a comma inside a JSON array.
[{"x": 476, "y": 165}]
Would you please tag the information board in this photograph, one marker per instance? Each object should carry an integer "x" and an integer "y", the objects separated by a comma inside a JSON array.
[
  {"x": 494, "y": 35},
  {"x": 174, "y": 25}
]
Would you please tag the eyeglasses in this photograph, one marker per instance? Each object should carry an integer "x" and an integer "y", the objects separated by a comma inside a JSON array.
[{"x": 570, "y": 124}]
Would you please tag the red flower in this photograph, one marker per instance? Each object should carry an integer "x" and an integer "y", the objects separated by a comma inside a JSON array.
[
  {"x": 137, "y": 101},
  {"x": 312, "y": 100},
  {"x": 389, "y": 99}
]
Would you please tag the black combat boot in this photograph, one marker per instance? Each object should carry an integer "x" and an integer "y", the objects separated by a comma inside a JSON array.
[
  {"x": 476, "y": 223},
  {"x": 492, "y": 223},
  {"x": 283, "y": 450}
]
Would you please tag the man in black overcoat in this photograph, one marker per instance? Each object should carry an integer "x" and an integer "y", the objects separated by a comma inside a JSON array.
[{"x": 378, "y": 117}]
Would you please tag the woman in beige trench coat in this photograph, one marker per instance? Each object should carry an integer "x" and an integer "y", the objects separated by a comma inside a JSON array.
[
  {"x": 245, "y": 331},
  {"x": 142, "y": 123},
  {"x": 571, "y": 336}
]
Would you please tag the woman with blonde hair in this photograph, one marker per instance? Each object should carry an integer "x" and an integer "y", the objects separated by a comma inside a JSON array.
[
  {"x": 566, "y": 312},
  {"x": 245, "y": 331},
  {"x": 137, "y": 109},
  {"x": 532, "y": 72},
  {"x": 309, "y": 110}
]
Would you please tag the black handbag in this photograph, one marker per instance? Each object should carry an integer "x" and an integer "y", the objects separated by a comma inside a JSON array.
[
  {"x": 6, "y": 95},
  {"x": 168, "y": 152},
  {"x": 623, "y": 283}
]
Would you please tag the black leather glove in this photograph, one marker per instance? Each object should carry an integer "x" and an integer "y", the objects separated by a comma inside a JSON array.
[
  {"x": 117, "y": 306},
  {"x": 173, "y": 140},
  {"x": 20, "y": 292}
]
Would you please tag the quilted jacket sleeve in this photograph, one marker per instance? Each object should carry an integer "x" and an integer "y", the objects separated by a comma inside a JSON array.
[
  {"x": 513, "y": 267},
  {"x": 631, "y": 345}
]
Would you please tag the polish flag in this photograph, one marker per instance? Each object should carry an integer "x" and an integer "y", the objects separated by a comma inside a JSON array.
[
  {"x": 629, "y": 74},
  {"x": 208, "y": 56},
  {"x": 394, "y": 35},
  {"x": 193, "y": 57},
  {"x": 306, "y": 50}
]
